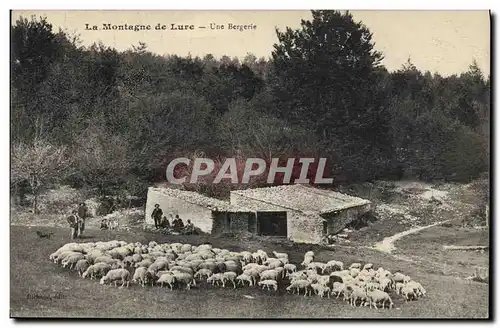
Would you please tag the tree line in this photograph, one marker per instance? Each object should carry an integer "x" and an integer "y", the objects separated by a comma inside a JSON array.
[{"x": 112, "y": 120}]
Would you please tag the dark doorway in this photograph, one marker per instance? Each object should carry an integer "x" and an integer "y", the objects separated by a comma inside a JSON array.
[
  {"x": 272, "y": 224},
  {"x": 325, "y": 228},
  {"x": 252, "y": 224}
]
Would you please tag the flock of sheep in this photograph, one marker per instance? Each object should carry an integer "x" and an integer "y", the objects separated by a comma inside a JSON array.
[{"x": 179, "y": 265}]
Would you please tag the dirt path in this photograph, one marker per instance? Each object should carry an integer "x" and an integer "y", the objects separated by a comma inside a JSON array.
[{"x": 387, "y": 244}]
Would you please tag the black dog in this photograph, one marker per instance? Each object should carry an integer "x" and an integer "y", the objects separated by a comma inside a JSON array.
[{"x": 44, "y": 235}]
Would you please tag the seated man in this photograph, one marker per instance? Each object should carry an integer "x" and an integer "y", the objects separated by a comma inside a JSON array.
[
  {"x": 189, "y": 228},
  {"x": 104, "y": 224},
  {"x": 164, "y": 224},
  {"x": 178, "y": 224}
]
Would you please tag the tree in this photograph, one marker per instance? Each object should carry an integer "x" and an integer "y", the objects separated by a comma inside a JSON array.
[
  {"x": 324, "y": 70},
  {"x": 324, "y": 78},
  {"x": 39, "y": 163},
  {"x": 102, "y": 159}
]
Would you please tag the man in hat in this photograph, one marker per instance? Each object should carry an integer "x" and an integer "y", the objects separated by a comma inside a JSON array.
[
  {"x": 82, "y": 215},
  {"x": 156, "y": 215},
  {"x": 73, "y": 223}
]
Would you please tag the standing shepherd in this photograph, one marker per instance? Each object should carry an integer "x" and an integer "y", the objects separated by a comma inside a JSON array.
[
  {"x": 73, "y": 223},
  {"x": 156, "y": 215},
  {"x": 82, "y": 215}
]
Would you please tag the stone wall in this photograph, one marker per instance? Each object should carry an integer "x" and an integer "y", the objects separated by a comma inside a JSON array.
[
  {"x": 199, "y": 215},
  {"x": 337, "y": 222},
  {"x": 239, "y": 222},
  {"x": 301, "y": 228}
]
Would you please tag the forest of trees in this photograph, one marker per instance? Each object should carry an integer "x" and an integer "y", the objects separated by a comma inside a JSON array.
[{"x": 112, "y": 120}]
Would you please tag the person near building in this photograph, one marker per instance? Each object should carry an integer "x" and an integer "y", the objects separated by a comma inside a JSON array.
[{"x": 156, "y": 215}]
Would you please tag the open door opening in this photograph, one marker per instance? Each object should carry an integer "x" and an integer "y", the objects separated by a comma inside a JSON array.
[{"x": 272, "y": 224}]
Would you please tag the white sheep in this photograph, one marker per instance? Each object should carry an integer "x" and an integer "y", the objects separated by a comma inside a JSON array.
[
  {"x": 321, "y": 290},
  {"x": 376, "y": 296},
  {"x": 355, "y": 265},
  {"x": 203, "y": 273},
  {"x": 96, "y": 270},
  {"x": 269, "y": 275},
  {"x": 300, "y": 284},
  {"x": 254, "y": 274},
  {"x": 368, "y": 266},
  {"x": 316, "y": 266},
  {"x": 355, "y": 294},
  {"x": 215, "y": 279},
  {"x": 267, "y": 284},
  {"x": 142, "y": 276},
  {"x": 338, "y": 289},
  {"x": 186, "y": 278},
  {"x": 334, "y": 265},
  {"x": 71, "y": 260},
  {"x": 81, "y": 266},
  {"x": 115, "y": 275},
  {"x": 245, "y": 277},
  {"x": 408, "y": 293},
  {"x": 417, "y": 287},
  {"x": 229, "y": 276},
  {"x": 168, "y": 279},
  {"x": 290, "y": 268},
  {"x": 308, "y": 258}
]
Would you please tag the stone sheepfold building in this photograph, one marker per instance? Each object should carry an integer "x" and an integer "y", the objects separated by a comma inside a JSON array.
[{"x": 300, "y": 213}]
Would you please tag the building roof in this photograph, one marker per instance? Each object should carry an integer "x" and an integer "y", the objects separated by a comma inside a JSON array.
[
  {"x": 199, "y": 199},
  {"x": 303, "y": 198}
]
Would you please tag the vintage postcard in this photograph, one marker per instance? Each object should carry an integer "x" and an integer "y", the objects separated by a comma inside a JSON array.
[{"x": 250, "y": 164}]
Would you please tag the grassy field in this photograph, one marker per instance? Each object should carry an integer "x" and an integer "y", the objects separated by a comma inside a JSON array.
[
  {"x": 33, "y": 274},
  {"x": 430, "y": 252}
]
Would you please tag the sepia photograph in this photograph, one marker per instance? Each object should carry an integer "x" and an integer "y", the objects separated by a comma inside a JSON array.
[{"x": 250, "y": 164}]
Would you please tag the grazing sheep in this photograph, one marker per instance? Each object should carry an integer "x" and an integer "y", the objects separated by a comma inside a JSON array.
[
  {"x": 333, "y": 265},
  {"x": 307, "y": 259},
  {"x": 168, "y": 279},
  {"x": 185, "y": 278},
  {"x": 321, "y": 290},
  {"x": 417, "y": 288},
  {"x": 215, "y": 279},
  {"x": 114, "y": 275},
  {"x": 338, "y": 288},
  {"x": 72, "y": 260},
  {"x": 355, "y": 294},
  {"x": 298, "y": 285},
  {"x": 229, "y": 276},
  {"x": 355, "y": 265},
  {"x": 142, "y": 276},
  {"x": 354, "y": 272},
  {"x": 104, "y": 259},
  {"x": 144, "y": 263},
  {"x": 245, "y": 277},
  {"x": 368, "y": 266},
  {"x": 398, "y": 277},
  {"x": 203, "y": 273},
  {"x": 269, "y": 275},
  {"x": 376, "y": 296},
  {"x": 97, "y": 270},
  {"x": 385, "y": 284},
  {"x": 408, "y": 293},
  {"x": 317, "y": 266},
  {"x": 254, "y": 274},
  {"x": 398, "y": 287},
  {"x": 267, "y": 284},
  {"x": 290, "y": 268},
  {"x": 81, "y": 266}
]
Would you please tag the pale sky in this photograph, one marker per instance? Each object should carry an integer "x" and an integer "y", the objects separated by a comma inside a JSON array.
[{"x": 439, "y": 41}]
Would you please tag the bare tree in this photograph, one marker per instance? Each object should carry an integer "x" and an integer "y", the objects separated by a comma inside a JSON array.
[{"x": 39, "y": 163}]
